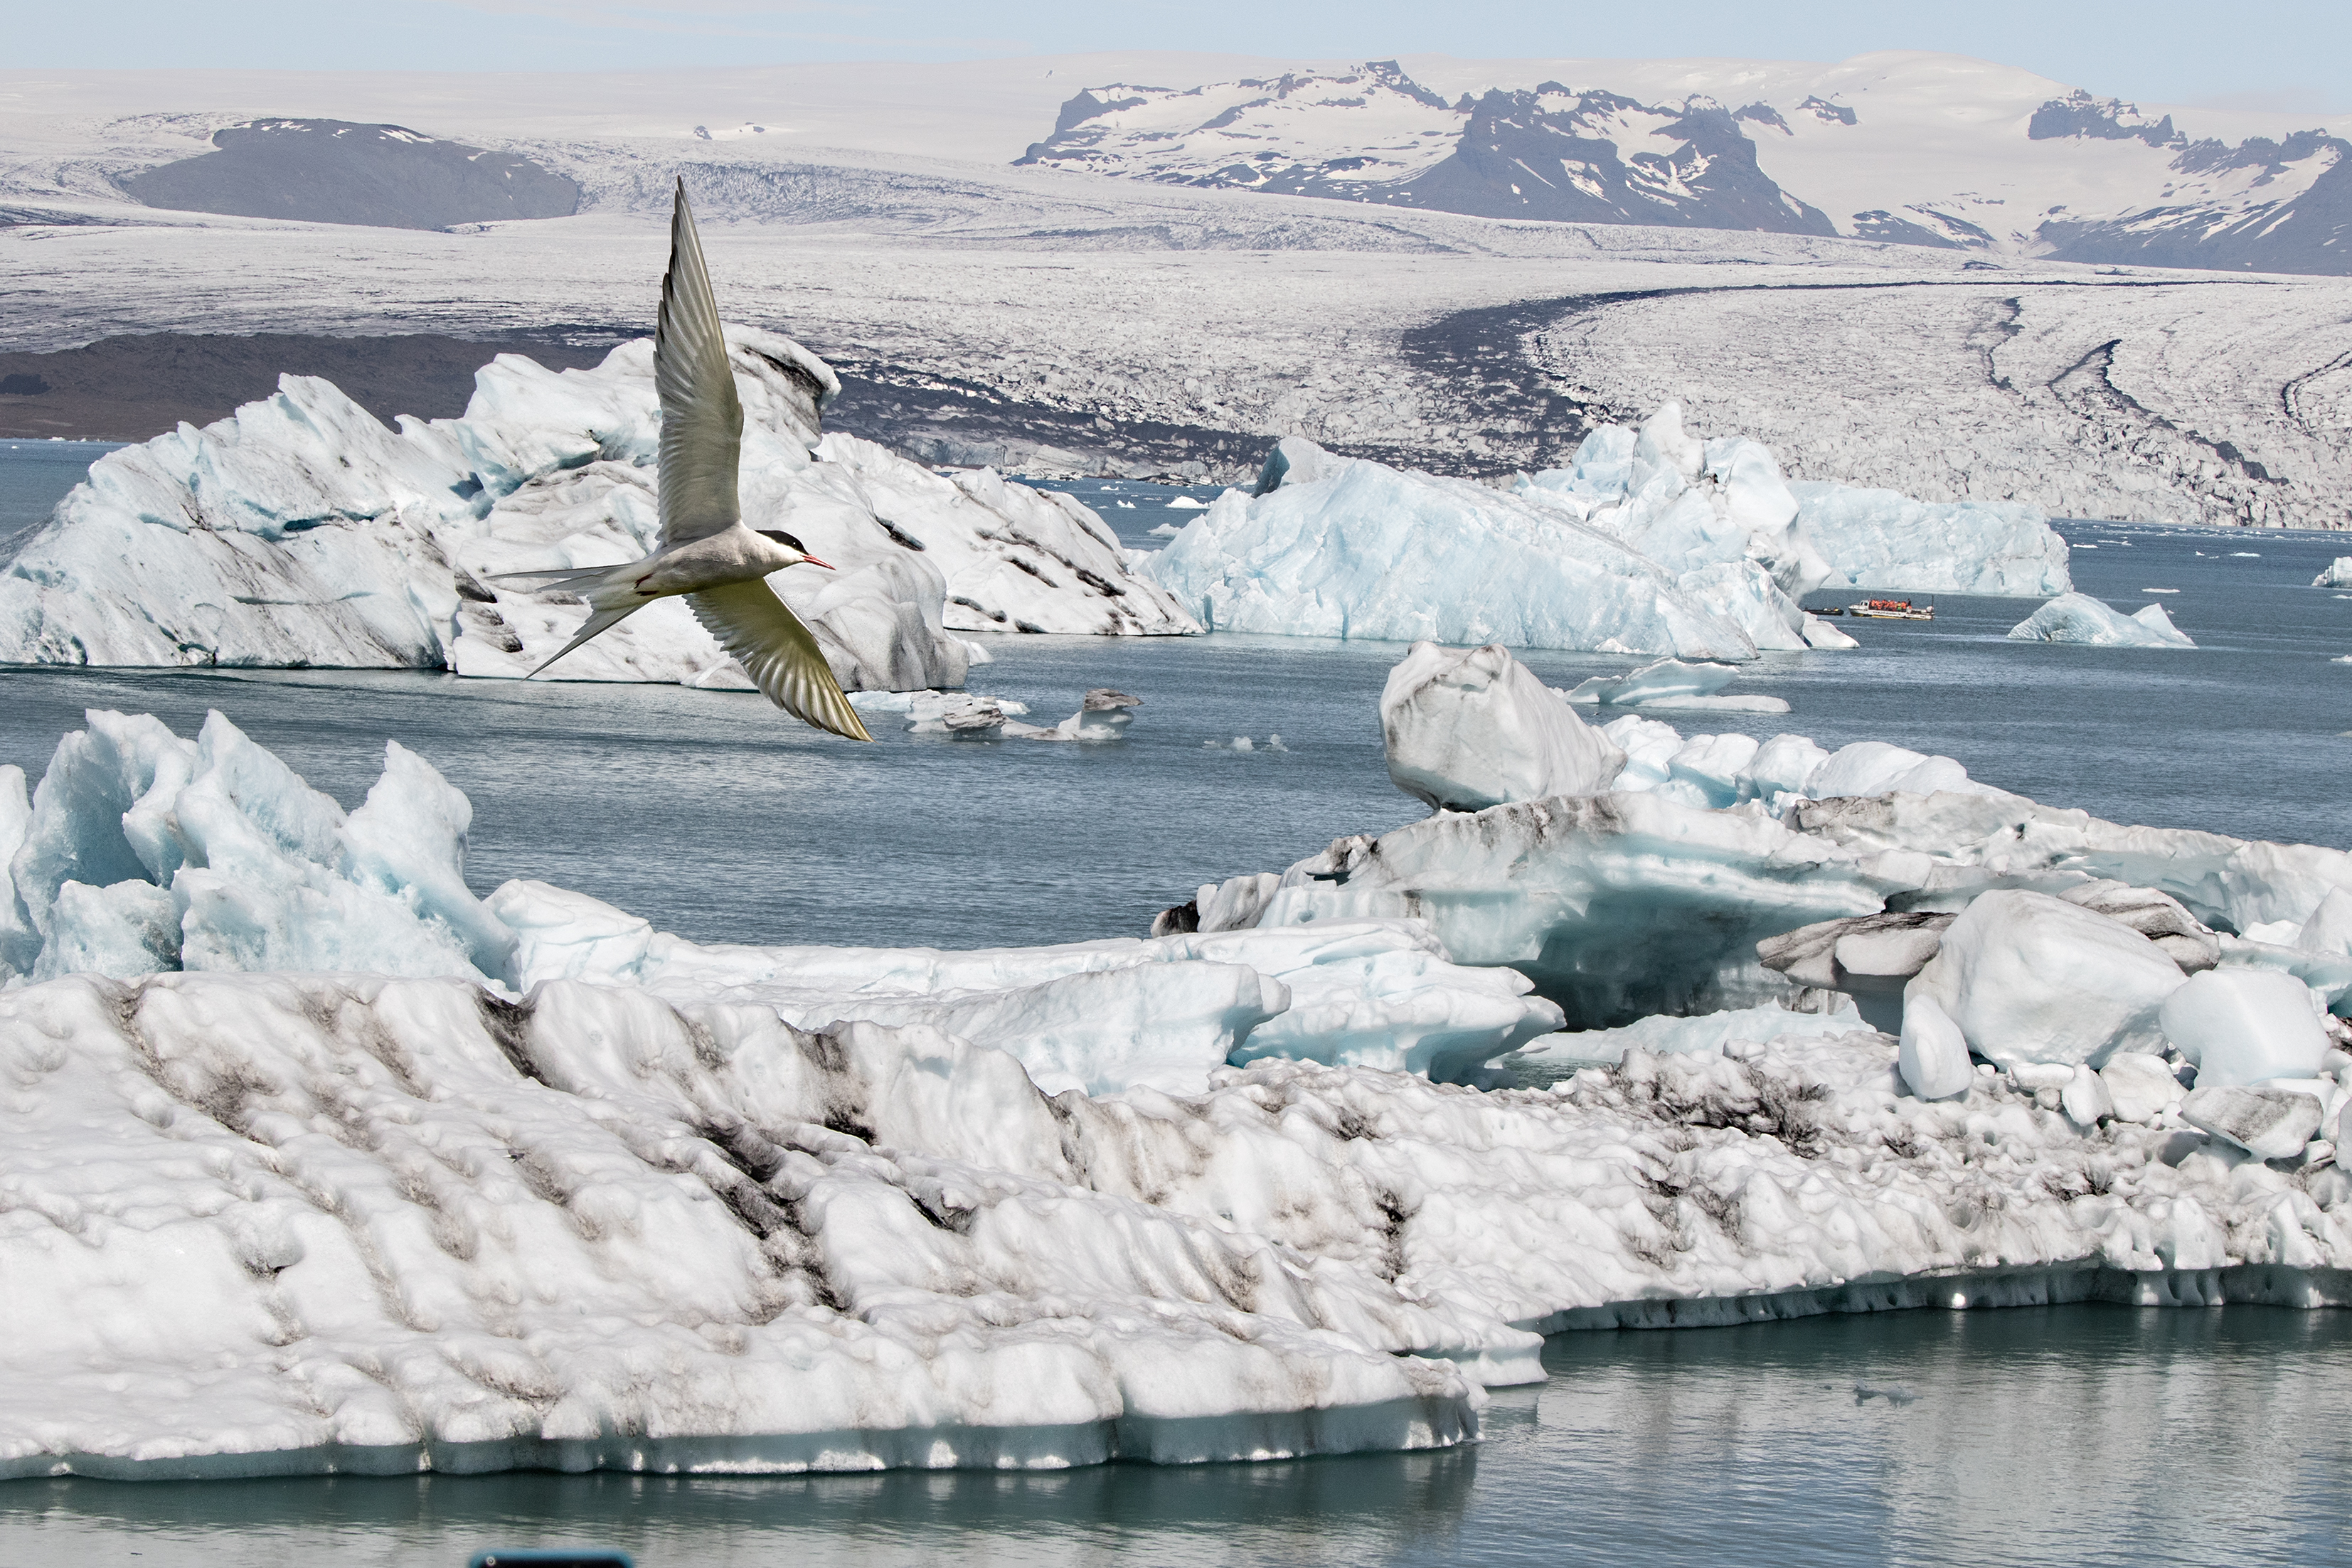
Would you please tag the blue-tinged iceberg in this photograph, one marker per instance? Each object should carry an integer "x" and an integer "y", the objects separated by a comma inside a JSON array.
[
  {"x": 1683, "y": 501},
  {"x": 1655, "y": 542},
  {"x": 1340, "y": 547},
  {"x": 302, "y": 531},
  {"x": 2079, "y": 618}
]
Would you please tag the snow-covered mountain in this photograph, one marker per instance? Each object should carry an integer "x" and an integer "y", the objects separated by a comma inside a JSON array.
[{"x": 1915, "y": 148}]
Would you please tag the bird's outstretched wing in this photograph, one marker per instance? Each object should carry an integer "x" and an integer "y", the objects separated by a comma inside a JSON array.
[
  {"x": 754, "y": 625},
  {"x": 703, "y": 419}
]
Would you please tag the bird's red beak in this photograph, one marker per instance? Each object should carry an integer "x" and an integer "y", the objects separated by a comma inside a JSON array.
[{"x": 827, "y": 564}]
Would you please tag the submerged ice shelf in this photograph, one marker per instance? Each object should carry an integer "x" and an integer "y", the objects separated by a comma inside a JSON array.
[{"x": 575, "y": 1192}]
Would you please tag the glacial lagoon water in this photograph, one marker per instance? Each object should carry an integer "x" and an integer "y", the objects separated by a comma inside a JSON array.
[{"x": 2083, "y": 1434}]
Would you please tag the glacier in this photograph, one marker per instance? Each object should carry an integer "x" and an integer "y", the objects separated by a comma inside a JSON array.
[
  {"x": 301, "y": 531},
  {"x": 1655, "y": 542},
  {"x": 318, "y": 1162},
  {"x": 2079, "y": 618}
]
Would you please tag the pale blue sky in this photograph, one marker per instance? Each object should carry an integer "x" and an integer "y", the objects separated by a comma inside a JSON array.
[{"x": 2287, "y": 53}]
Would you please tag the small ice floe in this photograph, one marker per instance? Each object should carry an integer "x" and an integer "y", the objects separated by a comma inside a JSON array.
[
  {"x": 2160, "y": 590},
  {"x": 1123, "y": 506},
  {"x": 1892, "y": 1392},
  {"x": 1672, "y": 686},
  {"x": 1167, "y": 530},
  {"x": 2079, "y": 618},
  {"x": 1243, "y": 743},
  {"x": 2245, "y": 555},
  {"x": 1187, "y": 504},
  {"x": 2344, "y": 659},
  {"x": 1103, "y": 716}
]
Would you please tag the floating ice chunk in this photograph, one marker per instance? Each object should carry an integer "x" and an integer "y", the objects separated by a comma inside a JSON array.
[
  {"x": 2245, "y": 555},
  {"x": 2338, "y": 574},
  {"x": 1932, "y": 1054},
  {"x": 958, "y": 714},
  {"x": 1188, "y": 503},
  {"x": 2160, "y": 590},
  {"x": 1335, "y": 547},
  {"x": 1666, "y": 678},
  {"x": 1820, "y": 633},
  {"x": 1166, "y": 530},
  {"x": 1103, "y": 716},
  {"x": 143, "y": 852},
  {"x": 1469, "y": 729},
  {"x": 1876, "y": 767},
  {"x": 1663, "y": 1035},
  {"x": 2139, "y": 1086},
  {"x": 2032, "y": 978},
  {"x": 2242, "y": 1026},
  {"x": 1671, "y": 686},
  {"x": 2268, "y": 1123},
  {"x": 1880, "y": 539},
  {"x": 2079, "y": 618}
]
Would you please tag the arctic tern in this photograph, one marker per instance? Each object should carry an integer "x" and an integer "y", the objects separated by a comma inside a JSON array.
[{"x": 706, "y": 553}]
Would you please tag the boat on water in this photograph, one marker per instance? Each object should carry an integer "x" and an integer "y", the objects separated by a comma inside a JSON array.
[{"x": 1892, "y": 609}]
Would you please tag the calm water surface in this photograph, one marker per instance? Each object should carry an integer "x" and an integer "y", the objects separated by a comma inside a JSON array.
[{"x": 2085, "y": 1435}]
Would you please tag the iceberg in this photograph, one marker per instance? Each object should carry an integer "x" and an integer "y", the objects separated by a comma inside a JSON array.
[
  {"x": 301, "y": 531},
  {"x": 2079, "y": 618},
  {"x": 1882, "y": 539},
  {"x": 319, "y": 1164},
  {"x": 1467, "y": 729},
  {"x": 1340, "y": 547},
  {"x": 2336, "y": 574},
  {"x": 1687, "y": 503},
  {"x": 1669, "y": 685}
]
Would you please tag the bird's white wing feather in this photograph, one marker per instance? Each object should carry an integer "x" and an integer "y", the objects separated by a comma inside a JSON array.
[
  {"x": 703, "y": 419},
  {"x": 754, "y": 625}
]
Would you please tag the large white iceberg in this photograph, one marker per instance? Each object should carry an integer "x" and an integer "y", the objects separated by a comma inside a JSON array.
[
  {"x": 1687, "y": 503},
  {"x": 2337, "y": 573},
  {"x": 2079, "y": 618},
  {"x": 1341, "y": 546},
  {"x": 301, "y": 531},
  {"x": 580, "y": 1194}
]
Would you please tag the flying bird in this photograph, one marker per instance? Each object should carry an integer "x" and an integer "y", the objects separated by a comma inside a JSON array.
[{"x": 706, "y": 552}]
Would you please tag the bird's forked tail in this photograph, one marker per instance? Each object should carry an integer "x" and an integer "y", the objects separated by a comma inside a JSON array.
[{"x": 610, "y": 592}]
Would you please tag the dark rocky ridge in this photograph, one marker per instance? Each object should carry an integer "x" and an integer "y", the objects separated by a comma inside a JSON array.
[{"x": 334, "y": 172}]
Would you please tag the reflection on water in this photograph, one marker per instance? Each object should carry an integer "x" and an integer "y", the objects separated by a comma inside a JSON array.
[{"x": 2077, "y": 1434}]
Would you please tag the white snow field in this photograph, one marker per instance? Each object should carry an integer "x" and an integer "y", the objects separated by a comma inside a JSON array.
[
  {"x": 1655, "y": 542},
  {"x": 876, "y": 219},
  {"x": 302, "y": 531},
  {"x": 317, "y": 1162}
]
